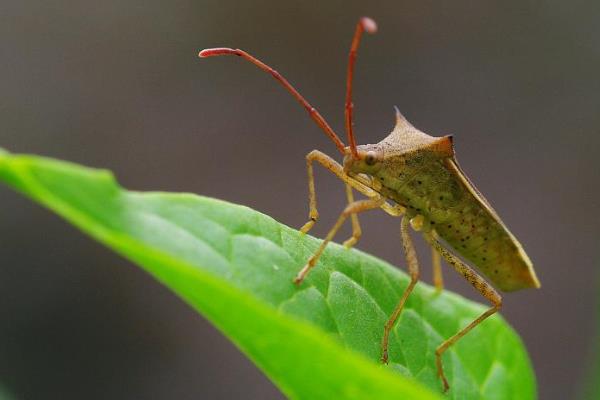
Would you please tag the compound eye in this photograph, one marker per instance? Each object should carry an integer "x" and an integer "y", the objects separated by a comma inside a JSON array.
[{"x": 371, "y": 158}]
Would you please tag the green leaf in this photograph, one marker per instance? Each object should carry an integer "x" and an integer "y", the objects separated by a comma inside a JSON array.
[{"x": 235, "y": 266}]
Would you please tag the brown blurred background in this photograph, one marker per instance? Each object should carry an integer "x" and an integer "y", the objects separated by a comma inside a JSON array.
[{"x": 117, "y": 84}]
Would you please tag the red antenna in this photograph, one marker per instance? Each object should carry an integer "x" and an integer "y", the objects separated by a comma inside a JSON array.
[
  {"x": 314, "y": 114},
  {"x": 364, "y": 24},
  {"x": 368, "y": 25}
]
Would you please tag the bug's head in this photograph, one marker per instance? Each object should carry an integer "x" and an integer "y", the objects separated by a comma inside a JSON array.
[{"x": 368, "y": 159}]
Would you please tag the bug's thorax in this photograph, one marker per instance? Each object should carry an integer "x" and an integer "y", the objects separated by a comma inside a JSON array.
[
  {"x": 399, "y": 155},
  {"x": 406, "y": 158}
]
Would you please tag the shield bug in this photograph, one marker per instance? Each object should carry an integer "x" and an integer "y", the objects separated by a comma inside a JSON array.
[{"x": 415, "y": 176}]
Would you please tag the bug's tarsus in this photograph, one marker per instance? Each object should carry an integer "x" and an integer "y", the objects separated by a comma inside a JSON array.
[
  {"x": 314, "y": 114},
  {"x": 364, "y": 24}
]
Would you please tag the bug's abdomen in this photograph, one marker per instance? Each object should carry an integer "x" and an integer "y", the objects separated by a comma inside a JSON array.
[
  {"x": 487, "y": 244},
  {"x": 463, "y": 218}
]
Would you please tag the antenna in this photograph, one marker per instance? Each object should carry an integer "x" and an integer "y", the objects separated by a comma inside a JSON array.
[
  {"x": 314, "y": 114},
  {"x": 368, "y": 25}
]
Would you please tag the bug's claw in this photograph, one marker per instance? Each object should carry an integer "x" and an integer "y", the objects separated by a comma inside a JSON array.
[
  {"x": 304, "y": 271},
  {"x": 300, "y": 277},
  {"x": 384, "y": 357},
  {"x": 350, "y": 242},
  {"x": 441, "y": 374},
  {"x": 446, "y": 387},
  {"x": 308, "y": 226}
]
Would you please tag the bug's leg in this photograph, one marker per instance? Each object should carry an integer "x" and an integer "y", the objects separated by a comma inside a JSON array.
[
  {"x": 438, "y": 279},
  {"x": 352, "y": 208},
  {"x": 356, "y": 230},
  {"x": 330, "y": 164},
  {"x": 413, "y": 270},
  {"x": 313, "y": 214},
  {"x": 478, "y": 283},
  {"x": 436, "y": 261},
  {"x": 358, "y": 183},
  {"x": 393, "y": 210}
]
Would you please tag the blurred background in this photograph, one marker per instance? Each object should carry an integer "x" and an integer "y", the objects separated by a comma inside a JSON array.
[{"x": 117, "y": 84}]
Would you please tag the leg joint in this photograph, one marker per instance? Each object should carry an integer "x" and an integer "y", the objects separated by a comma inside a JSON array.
[
  {"x": 348, "y": 210},
  {"x": 415, "y": 275},
  {"x": 498, "y": 303},
  {"x": 312, "y": 155}
]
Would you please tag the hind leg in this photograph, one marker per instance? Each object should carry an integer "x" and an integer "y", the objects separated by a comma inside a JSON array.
[{"x": 478, "y": 283}]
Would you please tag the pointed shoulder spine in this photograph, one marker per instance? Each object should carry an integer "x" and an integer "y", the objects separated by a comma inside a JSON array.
[{"x": 401, "y": 121}]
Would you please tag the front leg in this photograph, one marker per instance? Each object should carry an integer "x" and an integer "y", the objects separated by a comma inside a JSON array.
[
  {"x": 313, "y": 214},
  {"x": 330, "y": 164},
  {"x": 361, "y": 184},
  {"x": 351, "y": 209},
  {"x": 356, "y": 230}
]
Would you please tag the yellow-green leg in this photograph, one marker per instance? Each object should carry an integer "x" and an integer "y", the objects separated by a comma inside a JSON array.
[
  {"x": 478, "y": 283},
  {"x": 361, "y": 186},
  {"x": 352, "y": 208},
  {"x": 359, "y": 183},
  {"x": 313, "y": 214},
  {"x": 436, "y": 261},
  {"x": 356, "y": 230},
  {"x": 413, "y": 270}
]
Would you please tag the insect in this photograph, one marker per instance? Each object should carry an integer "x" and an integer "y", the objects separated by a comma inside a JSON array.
[{"x": 415, "y": 176}]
